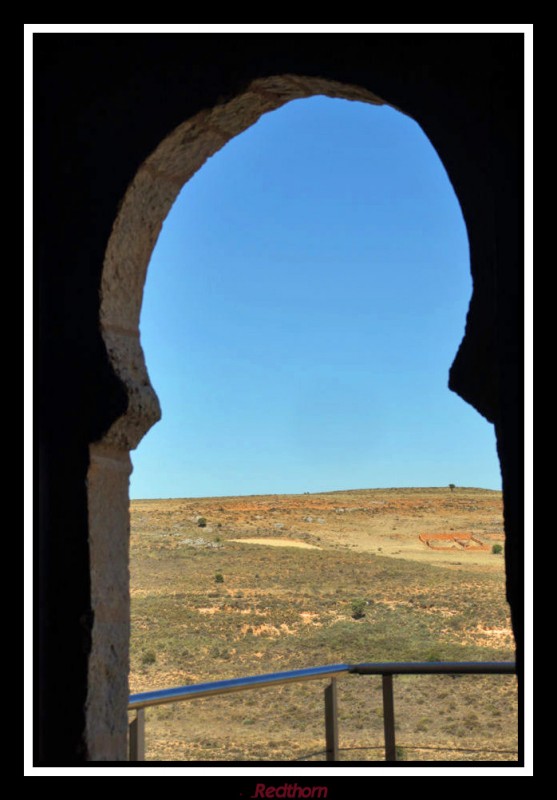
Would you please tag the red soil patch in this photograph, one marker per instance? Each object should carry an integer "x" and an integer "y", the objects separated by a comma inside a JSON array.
[{"x": 458, "y": 541}]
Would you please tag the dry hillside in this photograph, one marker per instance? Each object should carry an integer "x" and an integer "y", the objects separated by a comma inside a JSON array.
[{"x": 224, "y": 587}]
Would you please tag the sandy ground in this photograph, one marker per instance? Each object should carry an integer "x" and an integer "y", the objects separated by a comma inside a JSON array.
[{"x": 278, "y": 543}]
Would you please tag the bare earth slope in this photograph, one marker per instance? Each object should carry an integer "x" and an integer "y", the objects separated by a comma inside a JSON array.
[{"x": 388, "y": 521}]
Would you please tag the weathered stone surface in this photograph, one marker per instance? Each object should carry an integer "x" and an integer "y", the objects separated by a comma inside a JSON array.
[
  {"x": 109, "y": 527},
  {"x": 143, "y": 409}
]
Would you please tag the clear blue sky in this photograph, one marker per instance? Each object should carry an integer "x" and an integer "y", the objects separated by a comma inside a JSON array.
[{"x": 303, "y": 305}]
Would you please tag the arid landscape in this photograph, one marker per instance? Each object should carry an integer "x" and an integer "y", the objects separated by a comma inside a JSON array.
[{"x": 233, "y": 586}]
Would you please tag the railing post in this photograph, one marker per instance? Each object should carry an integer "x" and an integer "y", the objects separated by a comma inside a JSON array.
[
  {"x": 389, "y": 718},
  {"x": 137, "y": 736},
  {"x": 331, "y": 721}
]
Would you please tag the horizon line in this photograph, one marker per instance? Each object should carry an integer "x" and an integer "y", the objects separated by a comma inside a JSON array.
[{"x": 325, "y": 491}]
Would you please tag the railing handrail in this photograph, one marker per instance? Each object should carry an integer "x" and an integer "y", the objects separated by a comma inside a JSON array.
[
  {"x": 188, "y": 692},
  {"x": 435, "y": 668},
  {"x": 160, "y": 696},
  {"x": 139, "y": 702}
]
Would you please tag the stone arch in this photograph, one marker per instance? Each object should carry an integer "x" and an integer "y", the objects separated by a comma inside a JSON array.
[
  {"x": 104, "y": 103},
  {"x": 144, "y": 208},
  {"x": 145, "y": 205}
]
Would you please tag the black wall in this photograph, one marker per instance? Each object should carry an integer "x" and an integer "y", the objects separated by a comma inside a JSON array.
[{"x": 103, "y": 102}]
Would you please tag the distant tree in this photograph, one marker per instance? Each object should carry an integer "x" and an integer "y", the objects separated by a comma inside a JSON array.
[
  {"x": 201, "y": 522},
  {"x": 452, "y": 487},
  {"x": 496, "y": 549}
]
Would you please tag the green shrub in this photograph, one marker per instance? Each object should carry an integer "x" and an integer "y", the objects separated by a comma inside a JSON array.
[
  {"x": 358, "y": 608},
  {"x": 497, "y": 549},
  {"x": 148, "y": 658},
  {"x": 201, "y": 522},
  {"x": 219, "y": 577}
]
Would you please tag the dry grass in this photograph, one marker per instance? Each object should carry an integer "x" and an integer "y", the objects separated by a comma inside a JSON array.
[{"x": 287, "y": 607}]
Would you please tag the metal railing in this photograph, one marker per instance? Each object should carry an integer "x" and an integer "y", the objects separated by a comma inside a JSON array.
[{"x": 139, "y": 702}]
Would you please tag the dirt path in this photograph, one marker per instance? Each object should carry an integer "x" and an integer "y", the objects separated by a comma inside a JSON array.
[{"x": 278, "y": 543}]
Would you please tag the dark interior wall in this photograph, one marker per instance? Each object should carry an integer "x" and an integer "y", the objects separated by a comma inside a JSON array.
[{"x": 102, "y": 104}]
